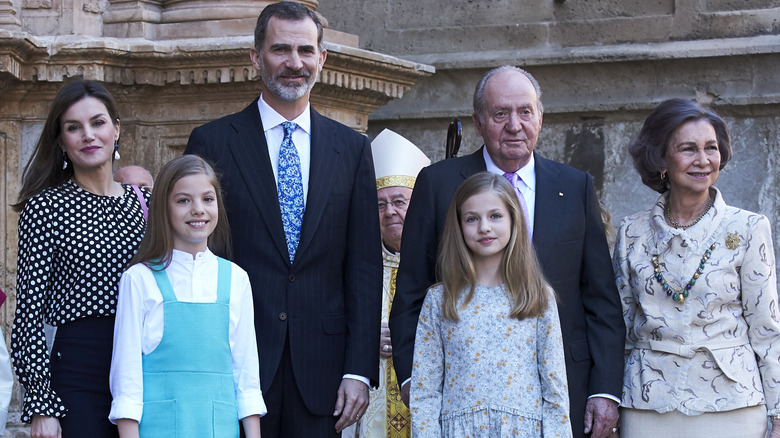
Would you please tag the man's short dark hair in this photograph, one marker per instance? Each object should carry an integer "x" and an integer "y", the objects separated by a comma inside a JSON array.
[{"x": 285, "y": 10}]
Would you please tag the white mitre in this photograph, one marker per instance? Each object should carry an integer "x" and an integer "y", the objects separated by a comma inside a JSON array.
[{"x": 397, "y": 161}]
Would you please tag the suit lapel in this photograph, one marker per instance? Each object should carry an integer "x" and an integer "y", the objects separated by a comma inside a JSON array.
[
  {"x": 325, "y": 151},
  {"x": 250, "y": 152},
  {"x": 473, "y": 163},
  {"x": 550, "y": 198}
]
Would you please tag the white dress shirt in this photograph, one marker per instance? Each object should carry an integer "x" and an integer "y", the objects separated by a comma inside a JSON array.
[
  {"x": 527, "y": 183},
  {"x": 140, "y": 322},
  {"x": 274, "y": 134}
]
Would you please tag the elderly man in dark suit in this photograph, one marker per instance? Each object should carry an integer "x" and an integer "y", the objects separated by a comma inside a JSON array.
[
  {"x": 301, "y": 199},
  {"x": 565, "y": 220}
]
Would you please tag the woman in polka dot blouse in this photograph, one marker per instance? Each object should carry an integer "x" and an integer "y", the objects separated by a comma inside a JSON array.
[{"x": 78, "y": 229}]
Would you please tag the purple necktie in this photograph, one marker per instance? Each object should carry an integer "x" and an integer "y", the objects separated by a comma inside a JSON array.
[{"x": 515, "y": 179}]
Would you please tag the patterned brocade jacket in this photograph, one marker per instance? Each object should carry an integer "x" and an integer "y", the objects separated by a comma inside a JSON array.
[{"x": 718, "y": 350}]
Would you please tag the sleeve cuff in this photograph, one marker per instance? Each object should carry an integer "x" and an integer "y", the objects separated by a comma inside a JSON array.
[
  {"x": 124, "y": 407},
  {"x": 44, "y": 402},
  {"x": 250, "y": 403},
  {"x": 608, "y": 396},
  {"x": 358, "y": 378}
]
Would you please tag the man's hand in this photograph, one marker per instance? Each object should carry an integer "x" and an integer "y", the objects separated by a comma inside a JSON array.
[
  {"x": 405, "y": 392},
  {"x": 601, "y": 415},
  {"x": 385, "y": 347},
  {"x": 351, "y": 403}
]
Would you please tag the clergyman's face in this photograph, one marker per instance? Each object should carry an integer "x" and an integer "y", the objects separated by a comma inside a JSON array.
[{"x": 393, "y": 202}]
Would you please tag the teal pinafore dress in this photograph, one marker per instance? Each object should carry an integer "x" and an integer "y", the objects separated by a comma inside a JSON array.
[{"x": 188, "y": 379}]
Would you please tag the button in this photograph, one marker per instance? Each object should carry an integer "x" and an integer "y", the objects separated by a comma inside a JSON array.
[
  {"x": 291, "y": 278},
  {"x": 283, "y": 316}
]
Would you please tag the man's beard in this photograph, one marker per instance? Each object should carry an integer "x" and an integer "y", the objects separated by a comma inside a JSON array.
[{"x": 291, "y": 92}]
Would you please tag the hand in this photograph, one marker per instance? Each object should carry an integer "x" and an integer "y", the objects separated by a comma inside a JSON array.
[
  {"x": 775, "y": 429},
  {"x": 45, "y": 427},
  {"x": 351, "y": 403},
  {"x": 385, "y": 347},
  {"x": 127, "y": 428},
  {"x": 601, "y": 415},
  {"x": 405, "y": 392}
]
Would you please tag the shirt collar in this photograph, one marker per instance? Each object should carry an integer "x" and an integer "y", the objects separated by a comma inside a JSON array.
[
  {"x": 527, "y": 173},
  {"x": 185, "y": 257},
  {"x": 271, "y": 119}
]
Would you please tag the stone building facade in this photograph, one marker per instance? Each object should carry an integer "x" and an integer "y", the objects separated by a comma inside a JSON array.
[{"x": 603, "y": 65}]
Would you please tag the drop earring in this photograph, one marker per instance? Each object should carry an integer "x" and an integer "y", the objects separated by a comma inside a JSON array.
[
  {"x": 64, "y": 160},
  {"x": 116, "y": 150}
]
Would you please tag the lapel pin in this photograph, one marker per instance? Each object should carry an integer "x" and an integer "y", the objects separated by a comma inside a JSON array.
[{"x": 560, "y": 194}]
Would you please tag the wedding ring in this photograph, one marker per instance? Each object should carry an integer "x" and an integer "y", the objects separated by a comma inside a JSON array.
[
  {"x": 614, "y": 430},
  {"x": 386, "y": 348}
]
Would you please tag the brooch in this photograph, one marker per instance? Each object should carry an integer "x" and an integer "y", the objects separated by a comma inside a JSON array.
[{"x": 732, "y": 240}]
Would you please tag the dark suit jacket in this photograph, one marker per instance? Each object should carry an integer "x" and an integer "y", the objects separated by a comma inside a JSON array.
[
  {"x": 572, "y": 250},
  {"x": 329, "y": 301}
]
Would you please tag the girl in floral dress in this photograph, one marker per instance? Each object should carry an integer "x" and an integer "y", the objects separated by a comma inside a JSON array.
[{"x": 488, "y": 353}]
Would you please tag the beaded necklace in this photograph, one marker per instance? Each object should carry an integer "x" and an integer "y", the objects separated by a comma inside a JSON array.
[
  {"x": 676, "y": 224},
  {"x": 683, "y": 294}
]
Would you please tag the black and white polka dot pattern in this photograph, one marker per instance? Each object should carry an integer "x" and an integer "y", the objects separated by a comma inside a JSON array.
[{"x": 73, "y": 247}]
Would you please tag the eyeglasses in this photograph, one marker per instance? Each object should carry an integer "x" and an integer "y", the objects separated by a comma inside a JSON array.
[{"x": 398, "y": 204}]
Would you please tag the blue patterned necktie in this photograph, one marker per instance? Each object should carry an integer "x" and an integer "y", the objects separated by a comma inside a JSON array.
[
  {"x": 290, "y": 187},
  {"x": 515, "y": 179}
]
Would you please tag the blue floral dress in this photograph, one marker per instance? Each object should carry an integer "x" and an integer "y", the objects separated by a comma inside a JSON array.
[{"x": 488, "y": 375}]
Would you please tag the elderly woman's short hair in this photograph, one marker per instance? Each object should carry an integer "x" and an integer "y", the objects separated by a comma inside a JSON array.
[{"x": 649, "y": 148}]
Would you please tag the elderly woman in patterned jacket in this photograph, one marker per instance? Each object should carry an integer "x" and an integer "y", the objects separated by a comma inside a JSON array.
[
  {"x": 78, "y": 229},
  {"x": 698, "y": 286}
]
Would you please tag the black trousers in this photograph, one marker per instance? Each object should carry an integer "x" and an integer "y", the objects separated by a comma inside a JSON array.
[
  {"x": 287, "y": 415},
  {"x": 80, "y": 365}
]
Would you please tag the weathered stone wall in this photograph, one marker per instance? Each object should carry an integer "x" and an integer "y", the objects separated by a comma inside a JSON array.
[
  {"x": 602, "y": 65},
  {"x": 458, "y": 27}
]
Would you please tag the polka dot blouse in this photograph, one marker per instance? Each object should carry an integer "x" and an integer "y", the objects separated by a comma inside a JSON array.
[{"x": 73, "y": 247}]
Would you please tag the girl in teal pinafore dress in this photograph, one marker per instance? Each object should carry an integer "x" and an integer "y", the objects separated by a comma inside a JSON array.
[{"x": 185, "y": 360}]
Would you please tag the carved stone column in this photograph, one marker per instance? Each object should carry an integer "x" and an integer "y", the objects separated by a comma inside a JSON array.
[{"x": 8, "y": 16}]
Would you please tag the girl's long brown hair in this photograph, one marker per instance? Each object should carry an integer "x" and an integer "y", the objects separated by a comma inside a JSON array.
[
  {"x": 521, "y": 272},
  {"x": 157, "y": 244}
]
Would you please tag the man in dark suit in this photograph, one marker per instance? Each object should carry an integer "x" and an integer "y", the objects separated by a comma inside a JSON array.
[
  {"x": 568, "y": 235},
  {"x": 301, "y": 201}
]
